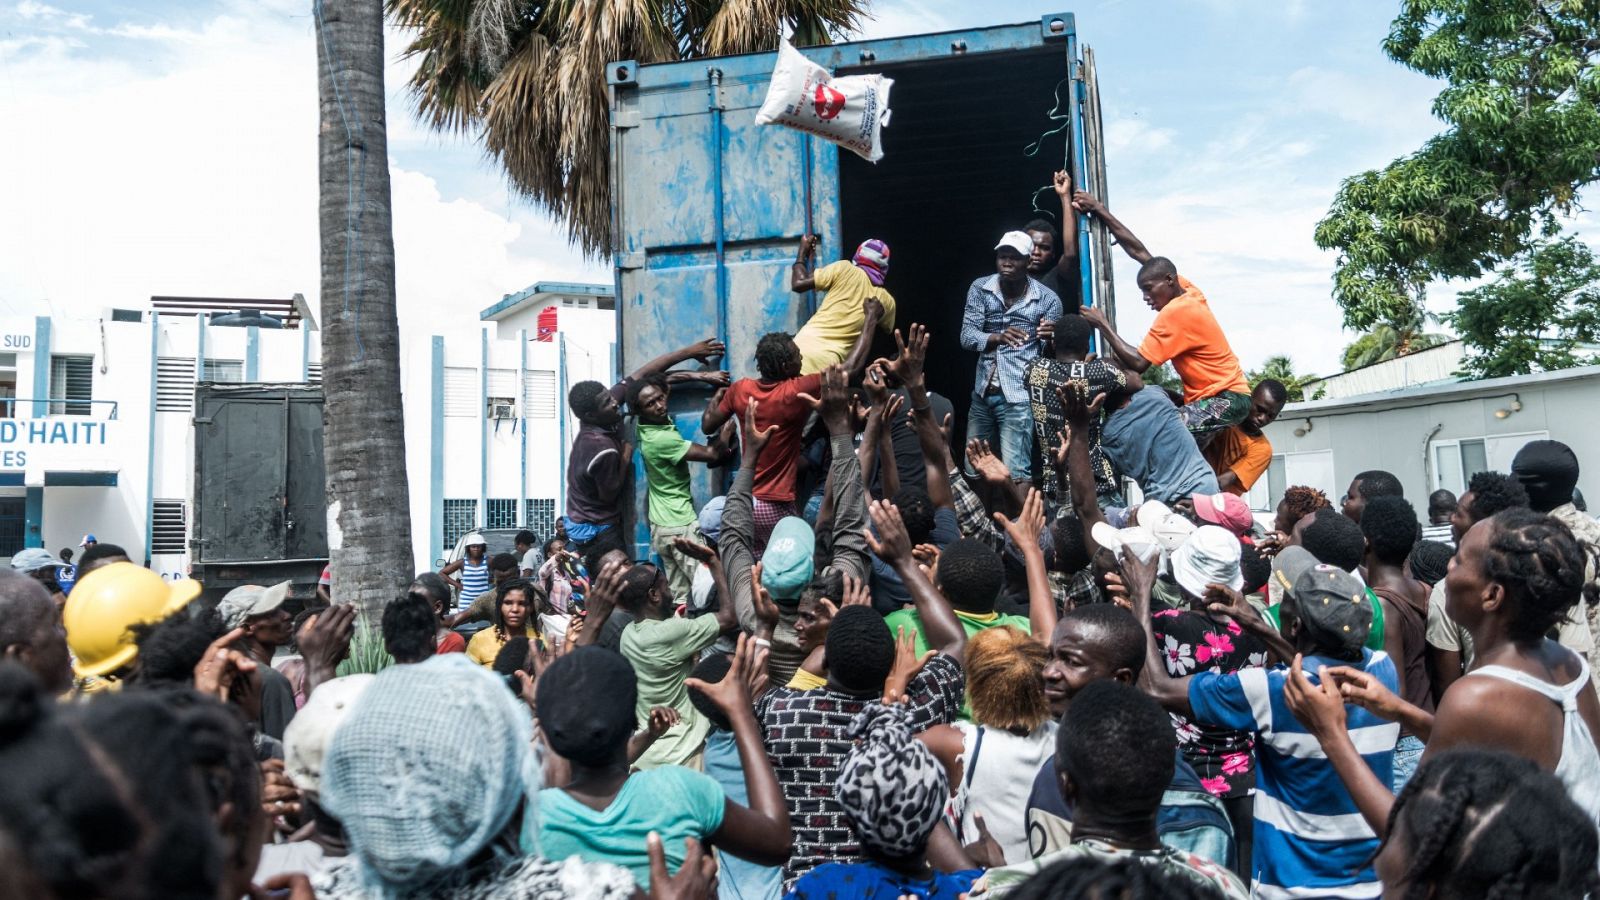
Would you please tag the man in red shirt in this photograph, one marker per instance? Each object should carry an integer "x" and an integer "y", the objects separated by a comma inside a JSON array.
[{"x": 778, "y": 392}]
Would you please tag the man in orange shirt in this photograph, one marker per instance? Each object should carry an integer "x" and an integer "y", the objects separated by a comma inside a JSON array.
[
  {"x": 1215, "y": 393},
  {"x": 1240, "y": 454}
]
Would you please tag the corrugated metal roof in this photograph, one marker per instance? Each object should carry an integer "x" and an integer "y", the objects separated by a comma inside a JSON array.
[{"x": 1413, "y": 396}]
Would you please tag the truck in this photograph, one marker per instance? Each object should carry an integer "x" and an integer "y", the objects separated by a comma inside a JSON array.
[
  {"x": 260, "y": 498},
  {"x": 708, "y": 208}
]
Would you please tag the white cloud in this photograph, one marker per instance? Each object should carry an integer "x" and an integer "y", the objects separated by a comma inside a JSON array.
[
  {"x": 1135, "y": 136},
  {"x": 197, "y": 174}
]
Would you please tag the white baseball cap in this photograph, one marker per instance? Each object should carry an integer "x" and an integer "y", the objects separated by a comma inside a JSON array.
[
  {"x": 1018, "y": 241},
  {"x": 1169, "y": 528},
  {"x": 1141, "y": 542}
]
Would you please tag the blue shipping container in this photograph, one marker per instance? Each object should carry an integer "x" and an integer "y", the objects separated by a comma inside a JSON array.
[{"x": 709, "y": 208}]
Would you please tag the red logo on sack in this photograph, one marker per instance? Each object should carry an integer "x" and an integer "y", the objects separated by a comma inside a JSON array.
[{"x": 829, "y": 102}]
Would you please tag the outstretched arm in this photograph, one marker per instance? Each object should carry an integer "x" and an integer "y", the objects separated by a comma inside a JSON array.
[
  {"x": 705, "y": 351},
  {"x": 940, "y": 626},
  {"x": 760, "y": 832},
  {"x": 1090, "y": 205},
  {"x": 1321, "y": 708},
  {"x": 800, "y": 278},
  {"x": 1072, "y": 458},
  {"x": 846, "y": 496},
  {"x": 736, "y": 544},
  {"x": 856, "y": 362},
  {"x": 1127, "y": 354},
  {"x": 1025, "y": 534},
  {"x": 1136, "y": 581},
  {"x": 1067, "y": 265}
]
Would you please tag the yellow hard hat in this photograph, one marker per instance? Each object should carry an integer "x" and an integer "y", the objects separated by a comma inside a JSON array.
[{"x": 107, "y": 603}]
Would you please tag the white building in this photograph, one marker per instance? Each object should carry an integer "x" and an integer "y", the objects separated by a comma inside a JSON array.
[
  {"x": 1433, "y": 436},
  {"x": 96, "y": 430}
]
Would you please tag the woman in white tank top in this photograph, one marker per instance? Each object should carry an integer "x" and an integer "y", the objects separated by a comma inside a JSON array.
[
  {"x": 993, "y": 759},
  {"x": 1514, "y": 579}
]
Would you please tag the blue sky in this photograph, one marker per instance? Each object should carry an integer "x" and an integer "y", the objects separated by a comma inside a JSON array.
[{"x": 171, "y": 149}]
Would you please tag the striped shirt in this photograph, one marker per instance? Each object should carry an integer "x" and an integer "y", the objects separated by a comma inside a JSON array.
[
  {"x": 1310, "y": 838},
  {"x": 474, "y": 581}
]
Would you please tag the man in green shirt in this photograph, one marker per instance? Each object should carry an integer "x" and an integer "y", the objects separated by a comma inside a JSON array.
[
  {"x": 667, "y": 454},
  {"x": 970, "y": 576}
]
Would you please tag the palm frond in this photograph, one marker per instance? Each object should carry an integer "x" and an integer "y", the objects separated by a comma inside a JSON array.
[{"x": 529, "y": 77}]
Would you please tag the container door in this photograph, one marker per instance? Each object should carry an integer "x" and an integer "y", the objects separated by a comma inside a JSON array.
[
  {"x": 305, "y": 491},
  {"x": 709, "y": 211},
  {"x": 239, "y": 479}
]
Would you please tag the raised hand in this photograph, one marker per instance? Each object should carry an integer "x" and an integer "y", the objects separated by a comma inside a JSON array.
[
  {"x": 1025, "y": 529},
  {"x": 695, "y": 551},
  {"x": 985, "y": 851},
  {"x": 891, "y": 543},
  {"x": 913, "y": 354},
  {"x": 707, "y": 350},
  {"x": 1096, "y": 317},
  {"x": 906, "y": 666},
  {"x": 1085, "y": 202},
  {"x": 1076, "y": 406},
  {"x": 766, "y": 608},
  {"x": 607, "y": 587},
  {"x": 834, "y": 404},
  {"x": 983, "y": 461},
  {"x": 1062, "y": 182},
  {"x": 755, "y": 440},
  {"x": 733, "y": 691},
  {"x": 874, "y": 385}
]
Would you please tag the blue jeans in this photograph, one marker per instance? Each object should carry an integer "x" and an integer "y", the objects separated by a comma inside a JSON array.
[
  {"x": 992, "y": 416},
  {"x": 1407, "y": 753}
]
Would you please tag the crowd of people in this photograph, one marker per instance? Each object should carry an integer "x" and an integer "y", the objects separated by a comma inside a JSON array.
[{"x": 1060, "y": 659}]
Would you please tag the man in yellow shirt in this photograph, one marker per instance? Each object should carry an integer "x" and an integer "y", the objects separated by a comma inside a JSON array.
[
  {"x": 827, "y": 337},
  {"x": 1242, "y": 452}
]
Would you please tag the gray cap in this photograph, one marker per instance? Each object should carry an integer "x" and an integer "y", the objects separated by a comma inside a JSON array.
[
  {"x": 32, "y": 559},
  {"x": 241, "y": 603},
  {"x": 1332, "y": 604}
]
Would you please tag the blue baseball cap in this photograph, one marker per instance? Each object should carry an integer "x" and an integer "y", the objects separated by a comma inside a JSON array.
[
  {"x": 87, "y": 540},
  {"x": 787, "y": 563}
]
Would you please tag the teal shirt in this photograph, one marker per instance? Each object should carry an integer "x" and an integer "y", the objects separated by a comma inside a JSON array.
[{"x": 672, "y": 801}]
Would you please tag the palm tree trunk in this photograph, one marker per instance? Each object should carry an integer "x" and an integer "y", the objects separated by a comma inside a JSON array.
[{"x": 369, "y": 526}]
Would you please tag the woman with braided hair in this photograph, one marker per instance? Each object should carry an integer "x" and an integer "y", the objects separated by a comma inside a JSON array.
[
  {"x": 1516, "y": 576},
  {"x": 1477, "y": 824}
]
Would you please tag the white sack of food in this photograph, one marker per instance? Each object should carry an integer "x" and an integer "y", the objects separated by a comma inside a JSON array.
[{"x": 849, "y": 111}]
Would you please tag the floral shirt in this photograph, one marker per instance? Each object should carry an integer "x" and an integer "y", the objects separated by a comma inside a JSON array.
[{"x": 1195, "y": 642}]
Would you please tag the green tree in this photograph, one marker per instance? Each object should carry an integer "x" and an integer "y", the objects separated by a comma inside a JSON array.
[
  {"x": 1281, "y": 368},
  {"x": 1522, "y": 106},
  {"x": 1162, "y": 376},
  {"x": 1388, "y": 340},
  {"x": 527, "y": 77},
  {"x": 1534, "y": 315},
  {"x": 363, "y": 437}
]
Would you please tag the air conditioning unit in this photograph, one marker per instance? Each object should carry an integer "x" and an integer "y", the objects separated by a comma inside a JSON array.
[{"x": 502, "y": 409}]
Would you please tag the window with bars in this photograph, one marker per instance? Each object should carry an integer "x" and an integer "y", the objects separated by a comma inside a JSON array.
[
  {"x": 462, "y": 393},
  {"x": 170, "y": 533},
  {"x": 71, "y": 385},
  {"x": 228, "y": 370},
  {"x": 541, "y": 518},
  {"x": 460, "y": 517},
  {"x": 502, "y": 513},
  {"x": 174, "y": 383},
  {"x": 539, "y": 394}
]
